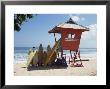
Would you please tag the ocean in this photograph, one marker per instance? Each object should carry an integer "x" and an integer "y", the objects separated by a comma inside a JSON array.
[{"x": 21, "y": 53}]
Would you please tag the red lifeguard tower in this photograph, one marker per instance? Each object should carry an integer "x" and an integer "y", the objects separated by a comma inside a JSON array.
[{"x": 70, "y": 35}]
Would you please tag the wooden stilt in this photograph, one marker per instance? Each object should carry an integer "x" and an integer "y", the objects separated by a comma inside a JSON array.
[
  {"x": 79, "y": 54},
  {"x": 55, "y": 39},
  {"x": 58, "y": 54},
  {"x": 70, "y": 54},
  {"x": 65, "y": 57},
  {"x": 79, "y": 57},
  {"x": 54, "y": 34},
  {"x": 69, "y": 60},
  {"x": 61, "y": 53},
  {"x": 74, "y": 57}
]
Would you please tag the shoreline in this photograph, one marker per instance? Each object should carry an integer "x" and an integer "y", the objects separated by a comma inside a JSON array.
[{"x": 89, "y": 69}]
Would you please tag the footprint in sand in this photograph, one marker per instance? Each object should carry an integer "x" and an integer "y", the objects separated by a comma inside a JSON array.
[{"x": 92, "y": 74}]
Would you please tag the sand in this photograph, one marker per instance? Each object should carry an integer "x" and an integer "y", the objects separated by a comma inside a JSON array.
[{"x": 89, "y": 69}]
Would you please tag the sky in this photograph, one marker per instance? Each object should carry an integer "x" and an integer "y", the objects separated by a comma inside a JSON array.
[{"x": 35, "y": 30}]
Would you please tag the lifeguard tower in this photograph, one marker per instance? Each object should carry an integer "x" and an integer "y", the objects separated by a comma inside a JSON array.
[{"x": 70, "y": 35}]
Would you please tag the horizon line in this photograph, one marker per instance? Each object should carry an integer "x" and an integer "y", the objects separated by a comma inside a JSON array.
[{"x": 45, "y": 47}]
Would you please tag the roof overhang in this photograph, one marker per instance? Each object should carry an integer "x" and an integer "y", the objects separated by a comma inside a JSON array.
[{"x": 59, "y": 30}]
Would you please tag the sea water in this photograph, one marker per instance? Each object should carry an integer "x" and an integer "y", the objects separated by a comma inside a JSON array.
[{"x": 21, "y": 53}]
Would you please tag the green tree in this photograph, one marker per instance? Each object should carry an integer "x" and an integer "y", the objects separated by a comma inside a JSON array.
[{"x": 19, "y": 19}]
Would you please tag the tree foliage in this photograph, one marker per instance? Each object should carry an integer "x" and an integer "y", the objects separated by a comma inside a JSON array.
[{"x": 19, "y": 19}]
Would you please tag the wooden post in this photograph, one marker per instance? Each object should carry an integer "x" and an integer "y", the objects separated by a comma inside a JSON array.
[
  {"x": 61, "y": 53},
  {"x": 79, "y": 53},
  {"x": 54, "y": 34},
  {"x": 65, "y": 57},
  {"x": 55, "y": 38},
  {"x": 69, "y": 60},
  {"x": 70, "y": 54},
  {"x": 74, "y": 57}
]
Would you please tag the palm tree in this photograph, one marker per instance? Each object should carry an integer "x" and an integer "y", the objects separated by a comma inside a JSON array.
[{"x": 19, "y": 19}]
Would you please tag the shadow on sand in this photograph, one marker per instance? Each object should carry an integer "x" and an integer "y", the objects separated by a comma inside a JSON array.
[{"x": 31, "y": 68}]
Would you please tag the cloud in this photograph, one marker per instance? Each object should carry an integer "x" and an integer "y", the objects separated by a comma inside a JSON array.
[
  {"x": 89, "y": 38},
  {"x": 92, "y": 33},
  {"x": 92, "y": 27},
  {"x": 76, "y": 18}
]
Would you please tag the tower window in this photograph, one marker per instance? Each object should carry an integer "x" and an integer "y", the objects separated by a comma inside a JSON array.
[{"x": 70, "y": 37}]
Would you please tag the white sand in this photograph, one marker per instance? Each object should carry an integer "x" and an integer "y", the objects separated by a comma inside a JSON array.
[{"x": 89, "y": 69}]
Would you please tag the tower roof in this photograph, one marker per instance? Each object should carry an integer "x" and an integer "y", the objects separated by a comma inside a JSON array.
[{"x": 70, "y": 24}]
